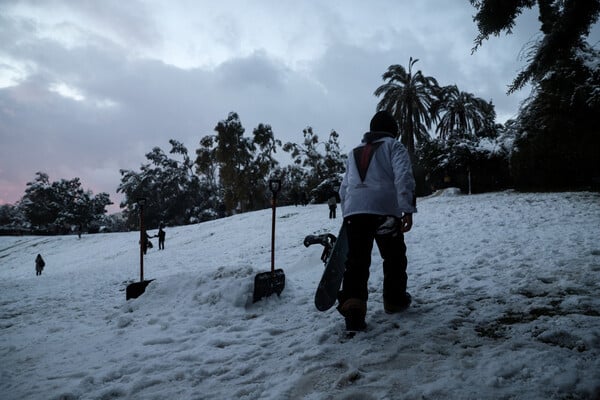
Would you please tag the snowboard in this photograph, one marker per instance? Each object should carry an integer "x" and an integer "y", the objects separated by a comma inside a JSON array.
[{"x": 334, "y": 257}]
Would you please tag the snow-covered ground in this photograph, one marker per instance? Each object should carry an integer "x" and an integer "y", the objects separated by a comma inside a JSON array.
[{"x": 505, "y": 292}]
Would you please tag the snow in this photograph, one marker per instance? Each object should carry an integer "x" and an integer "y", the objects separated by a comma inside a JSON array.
[
  {"x": 488, "y": 145},
  {"x": 505, "y": 306}
]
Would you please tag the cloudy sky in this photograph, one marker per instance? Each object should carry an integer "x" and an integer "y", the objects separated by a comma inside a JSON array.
[{"x": 89, "y": 87}]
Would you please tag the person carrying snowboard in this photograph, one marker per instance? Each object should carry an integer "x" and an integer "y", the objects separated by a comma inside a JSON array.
[{"x": 377, "y": 202}]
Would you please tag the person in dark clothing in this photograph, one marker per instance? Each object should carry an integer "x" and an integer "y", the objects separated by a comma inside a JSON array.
[
  {"x": 332, "y": 203},
  {"x": 39, "y": 265},
  {"x": 161, "y": 237},
  {"x": 147, "y": 243},
  {"x": 303, "y": 198},
  {"x": 377, "y": 201}
]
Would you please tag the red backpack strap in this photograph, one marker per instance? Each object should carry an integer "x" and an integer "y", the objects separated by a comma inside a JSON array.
[{"x": 363, "y": 156}]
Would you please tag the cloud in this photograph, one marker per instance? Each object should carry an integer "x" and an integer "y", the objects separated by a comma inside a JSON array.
[
  {"x": 67, "y": 91},
  {"x": 88, "y": 88}
]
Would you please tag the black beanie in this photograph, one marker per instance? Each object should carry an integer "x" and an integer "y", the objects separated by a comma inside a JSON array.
[{"x": 383, "y": 121}]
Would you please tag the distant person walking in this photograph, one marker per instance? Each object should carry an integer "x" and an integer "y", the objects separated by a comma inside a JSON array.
[
  {"x": 332, "y": 203},
  {"x": 39, "y": 264},
  {"x": 303, "y": 198},
  {"x": 161, "y": 237}
]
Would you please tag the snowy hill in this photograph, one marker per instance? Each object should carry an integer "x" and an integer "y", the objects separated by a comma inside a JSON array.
[{"x": 505, "y": 305}]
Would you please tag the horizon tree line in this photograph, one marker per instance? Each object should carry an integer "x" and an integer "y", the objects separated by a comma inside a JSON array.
[{"x": 552, "y": 144}]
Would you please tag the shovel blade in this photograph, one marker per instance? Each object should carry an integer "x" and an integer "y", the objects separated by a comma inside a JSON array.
[
  {"x": 135, "y": 290},
  {"x": 267, "y": 283}
]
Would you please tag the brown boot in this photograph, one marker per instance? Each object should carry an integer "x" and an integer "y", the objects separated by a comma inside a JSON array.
[
  {"x": 354, "y": 311},
  {"x": 402, "y": 305}
]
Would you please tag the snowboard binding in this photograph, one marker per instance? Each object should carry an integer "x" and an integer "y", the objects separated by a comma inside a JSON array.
[
  {"x": 334, "y": 258},
  {"x": 327, "y": 240}
]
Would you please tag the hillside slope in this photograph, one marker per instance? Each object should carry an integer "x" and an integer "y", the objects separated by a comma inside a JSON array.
[{"x": 505, "y": 305}]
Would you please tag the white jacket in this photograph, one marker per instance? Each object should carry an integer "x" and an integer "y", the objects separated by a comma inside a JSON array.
[{"x": 389, "y": 185}]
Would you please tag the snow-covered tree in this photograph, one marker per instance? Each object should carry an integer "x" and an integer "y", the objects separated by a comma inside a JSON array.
[
  {"x": 557, "y": 143},
  {"x": 462, "y": 114},
  {"x": 54, "y": 207},
  {"x": 564, "y": 26},
  {"x": 173, "y": 192},
  {"x": 317, "y": 167},
  {"x": 237, "y": 167},
  {"x": 12, "y": 219},
  {"x": 261, "y": 167},
  {"x": 411, "y": 97},
  {"x": 474, "y": 164}
]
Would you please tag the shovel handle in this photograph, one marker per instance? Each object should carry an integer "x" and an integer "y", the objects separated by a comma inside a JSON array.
[{"x": 275, "y": 186}]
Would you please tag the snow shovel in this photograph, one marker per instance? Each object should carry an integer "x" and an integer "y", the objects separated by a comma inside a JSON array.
[
  {"x": 267, "y": 283},
  {"x": 134, "y": 290}
]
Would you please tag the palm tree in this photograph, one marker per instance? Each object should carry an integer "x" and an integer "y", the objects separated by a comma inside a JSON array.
[
  {"x": 410, "y": 98},
  {"x": 462, "y": 114}
]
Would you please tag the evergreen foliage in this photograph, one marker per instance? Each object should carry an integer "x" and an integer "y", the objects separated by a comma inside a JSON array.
[
  {"x": 173, "y": 192},
  {"x": 236, "y": 168},
  {"x": 318, "y": 173},
  {"x": 411, "y": 98},
  {"x": 233, "y": 156},
  {"x": 474, "y": 164},
  {"x": 462, "y": 114},
  {"x": 229, "y": 175},
  {"x": 12, "y": 220},
  {"x": 54, "y": 207},
  {"x": 564, "y": 26},
  {"x": 557, "y": 144},
  {"x": 460, "y": 119}
]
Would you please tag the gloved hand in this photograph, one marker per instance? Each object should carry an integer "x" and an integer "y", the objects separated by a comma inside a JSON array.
[
  {"x": 389, "y": 226},
  {"x": 392, "y": 225},
  {"x": 406, "y": 223}
]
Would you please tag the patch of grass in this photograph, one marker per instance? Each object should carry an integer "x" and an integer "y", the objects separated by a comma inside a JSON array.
[
  {"x": 288, "y": 215},
  {"x": 497, "y": 329}
]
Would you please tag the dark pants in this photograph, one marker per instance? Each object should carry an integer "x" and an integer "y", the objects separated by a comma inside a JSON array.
[
  {"x": 161, "y": 243},
  {"x": 361, "y": 234},
  {"x": 332, "y": 211}
]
